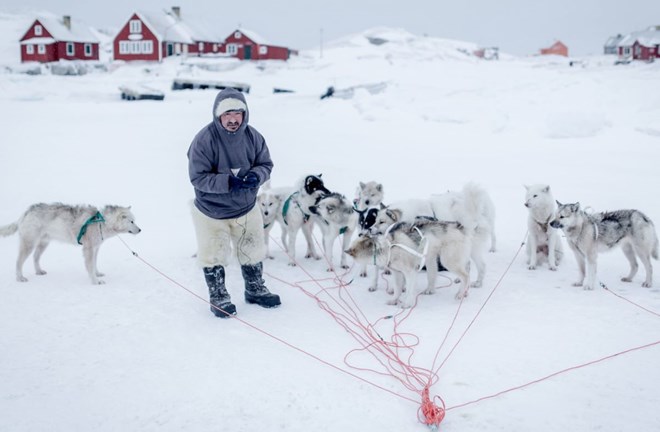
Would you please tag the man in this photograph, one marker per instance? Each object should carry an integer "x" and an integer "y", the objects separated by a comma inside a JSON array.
[{"x": 227, "y": 162}]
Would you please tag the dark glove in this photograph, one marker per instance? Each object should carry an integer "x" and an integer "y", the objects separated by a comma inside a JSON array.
[
  {"x": 251, "y": 180},
  {"x": 235, "y": 183}
]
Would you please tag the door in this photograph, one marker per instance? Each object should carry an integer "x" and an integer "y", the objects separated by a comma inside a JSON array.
[{"x": 248, "y": 52}]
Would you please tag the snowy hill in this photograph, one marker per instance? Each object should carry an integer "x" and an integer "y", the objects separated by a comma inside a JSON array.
[{"x": 144, "y": 353}]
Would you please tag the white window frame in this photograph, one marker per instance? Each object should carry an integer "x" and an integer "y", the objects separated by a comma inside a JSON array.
[
  {"x": 200, "y": 47},
  {"x": 147, "y": 47},
  {"x": 38, "y": 30},
  {"x": 232, "y": 49},
  {"x": 215, "y": 47},
  {"x": 70, "y": 49},
  {"x": 88, "y": 50},
  {"x": 41, "y": 49},
  {"x": 263, "y": 50},
  {"x": 29, "y": 49},
  {"x": 135, "y": 26}
]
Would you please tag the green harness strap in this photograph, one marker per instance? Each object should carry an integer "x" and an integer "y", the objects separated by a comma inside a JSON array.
[
  {"x": 97, "y": 218},
  {"x": 285, "y": 208}
]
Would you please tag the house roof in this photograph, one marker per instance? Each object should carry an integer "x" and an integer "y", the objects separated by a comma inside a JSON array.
[
  {"x": 613, "y": 40},
  {"x": 168, "y": 27},
  {"x": 649, "y": 37},
  {"x": 253, "y": 36},
  {"x": 79, "y": 31}
]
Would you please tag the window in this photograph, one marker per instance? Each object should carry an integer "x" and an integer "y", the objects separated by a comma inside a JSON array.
[
  {"x": 263, "y": 49},
  {"x": 200, "y": 47},
  {"x": 147, "y": 47},
  {"x": 41, "y": 49},
  {"x": 135, "y": 26},
  {"x": 215, "y": 47},
  {"x": 237, "y": 35},
  {"x": 70, "y": 49},
  {"x": 38, "y": 30},
  {"x": 626, "y": 51},
  {"x": 29, "y": 49},
  {"x": 232, "y": 49},
  {"x": 88, "y": 50}
]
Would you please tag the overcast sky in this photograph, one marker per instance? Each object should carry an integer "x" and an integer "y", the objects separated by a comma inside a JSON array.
[{"x": 515, "y": 26}]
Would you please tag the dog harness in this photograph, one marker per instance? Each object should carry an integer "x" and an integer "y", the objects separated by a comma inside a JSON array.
[
  {"x": 97, "y": 218},
  {"x": 285, "y": 208},
  {"x": 421, "y": 256}
]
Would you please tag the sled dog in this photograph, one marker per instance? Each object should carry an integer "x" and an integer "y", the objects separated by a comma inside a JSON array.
[
  {"x": 588, "y": 234},
  {"x": 296, "y": 215},
  {"x": 369, "y": 195},
  {"x": 406, "y": 247},
  {"x": 270, "y": 201},
  {"x": 543, "y": 242},
  {"x": 84, "y": 225},
  {"x": 335, "y": 216}
]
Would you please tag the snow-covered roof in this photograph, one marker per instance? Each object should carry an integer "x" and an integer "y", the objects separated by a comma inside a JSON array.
[
  {"x": 38, "y": 41},
  {"x": 168, "y": 27},
  {"x": 613, "y": 40},
  {"x": 79, "y": 31},
  {"x": 649, "y": 38},
  {"x": 254, "y": 37}
]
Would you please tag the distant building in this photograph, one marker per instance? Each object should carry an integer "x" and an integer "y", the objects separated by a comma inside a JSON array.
[
  {"x": 152, "y": 36},
  {"x": 247, "y": 45},
  {"x": 557, "y": 48},
  {"x": 611, "y": 44},
  {"x": 640, "y": 45},
  {"x": 50, "y": 39}
]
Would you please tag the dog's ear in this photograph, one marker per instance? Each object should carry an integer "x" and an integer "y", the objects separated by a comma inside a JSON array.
[
  {"x": 576, "y": 206},
  {"x": 382, "y": 206},
  {"x": 546, "y": 189},
  {"x": 362, "y": 185},
  {"x": 379, "y": 187},
  {"x": 526, "y": 186},
  {"x": 558, "y": 203}
]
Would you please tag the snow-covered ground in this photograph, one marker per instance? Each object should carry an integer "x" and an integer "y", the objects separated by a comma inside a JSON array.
[{"x": 143, "y": 353}]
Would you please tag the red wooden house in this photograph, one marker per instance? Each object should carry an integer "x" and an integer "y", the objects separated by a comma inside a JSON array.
[
  {"x": 557, "y": 48},
  {"x": 640, "y": 45},
  {"x": 50, "y": 39},
  {"x": 155, "y": 35},
  {"x": 247, "y": 45}
]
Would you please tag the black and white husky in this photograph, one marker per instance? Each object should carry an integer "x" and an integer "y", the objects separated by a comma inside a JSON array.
[
  {"x": 407, "y": 247},
  {"x": 296, "y": 215},
  {"x": 588, "y": 234},
  {"x": 84, "y": 225}
]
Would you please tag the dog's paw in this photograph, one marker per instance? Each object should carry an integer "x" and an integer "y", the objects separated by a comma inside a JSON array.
[
  {"x": 345, "y": 266},
  {"x": 392, "y": 302},
  {"x": 41, "y": 272},
  {"x": 99, "y": 282},
  {"x": 577, "y": 284},
  {"x": 270, "y": 257},
  {"x": 390, "y": 291},
  {"x": 531, "y": 267},
  {"x": 553, "y": 268},
  {"x": 627, "y": 279},
  {"x": 429, "y": 291},
  {"x": 98, "y": 274},
  {"x": 587, "y": 287},
  {"x": 372, "y": 289},
  {"x": 21, "y": 279},
  {"x": 492, "y": 250},
  {"x": 292, "y": 264},
  {"x": 330, "y": 269},
  {"x": 647, "y": 284},
  {"x": 476, "y": 284},
  {"x": 387, "y": 271},
  {"x": 363, "y": 274},
  {"x": 461, "y": 295}
]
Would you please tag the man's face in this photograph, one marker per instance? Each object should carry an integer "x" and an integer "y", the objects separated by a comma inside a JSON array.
[{"x": 231, "y": 120}]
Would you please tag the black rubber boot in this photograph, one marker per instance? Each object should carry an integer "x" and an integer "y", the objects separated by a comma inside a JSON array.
[
  {"x": 221, "y": 304},
  {"x": 255, "y": 290}
]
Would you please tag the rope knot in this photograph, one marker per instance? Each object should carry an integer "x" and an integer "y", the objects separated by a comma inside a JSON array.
[{"x": 432, "y": 413}]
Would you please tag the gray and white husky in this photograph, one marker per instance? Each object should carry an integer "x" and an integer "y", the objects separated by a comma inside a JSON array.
[
  {"x": 84, "y": 225},
  {"x": 407, "y": 247},
  {"x": 588, "y": 234},
  {"x": 543, "y": 242},
  {"x": 335, "y": 216}
]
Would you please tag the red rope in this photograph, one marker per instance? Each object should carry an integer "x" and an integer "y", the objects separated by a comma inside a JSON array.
[{"x": 430, "y": 413}]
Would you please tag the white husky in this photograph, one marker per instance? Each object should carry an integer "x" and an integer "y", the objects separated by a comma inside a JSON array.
[
  {"x": 406, "y": 247},
  {"x": 270, "y": 201},
  {"x": 84, "y": 225},
  {"x": 543, "y": 242},
  {"x": 335, "y": 217}
]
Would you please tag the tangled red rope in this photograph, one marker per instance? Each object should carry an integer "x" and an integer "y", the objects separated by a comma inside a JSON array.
[{"x": 429, "y": 412}]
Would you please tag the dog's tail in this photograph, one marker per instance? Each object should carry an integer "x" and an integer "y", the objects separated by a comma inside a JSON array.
[
  {"x": 7, "y": 230},
  {"x": 656, "y": 246}
]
